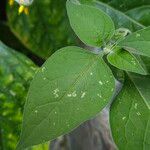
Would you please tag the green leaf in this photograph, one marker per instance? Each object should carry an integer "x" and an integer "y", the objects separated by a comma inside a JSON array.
[
  {"x": 130, "y": 118},
  {"x": 45, "y": 29},
  {"x": 119, "y": 18},
  {"x": 142, "y": 84},
  {"x": 146, "y": 61},
  {"x": 122, "y": 59},
  {"x": 125, "y": 5},
  {"x": 16, "y": 72},
  {"x": 91, "y": 25},
  {"x": 138, "y": 42},
  {"x": 71, "y": 87},
  {"x": 140, "y": 14}
]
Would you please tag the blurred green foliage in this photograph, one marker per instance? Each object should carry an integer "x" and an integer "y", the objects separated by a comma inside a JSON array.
[
  {"x": 45, "y": 29},
  {"x": 16, "y": 72}
]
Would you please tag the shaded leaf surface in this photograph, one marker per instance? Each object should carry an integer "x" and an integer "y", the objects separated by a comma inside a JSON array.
[
  {"x": 71, "y": 87},
  {"x": 130, "y": 119},
  {"x": 125, "y": 5},
  {"x": 140, "y": 14},
  {"x": 91, "y": 25}
]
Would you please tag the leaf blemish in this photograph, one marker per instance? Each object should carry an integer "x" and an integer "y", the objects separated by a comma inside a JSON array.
[
  {"x": 43, "y": 69},
  {"x": 73, "y": 94},
  {"x": 83, "y": 94},
  {"x": 137, "y": 35},
  {"x": 100, "y": 82},
  {"x": 36, "y": 111},
  {"x": 56, "y": 93},
  {"x": 99, "y": 95},
  {"x": 123, "y": 118},
  {"x": 69, "y": 95},
  {"x": 135, "y": 106},
  {"x": 91, "y": 73},
  {"x": 138, "y": 113}
]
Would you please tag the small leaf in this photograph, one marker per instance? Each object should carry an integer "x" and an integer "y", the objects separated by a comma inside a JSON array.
[
  {"x": 72, "y": 86},
  {"x": 122, "y": 59},
  {"x": 90, "y": 24},
  {"x": 138, "y": 42},
  {"x": 130, "y": 118}
]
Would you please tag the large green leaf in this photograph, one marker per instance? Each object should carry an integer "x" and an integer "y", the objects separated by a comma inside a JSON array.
[
  {"x": 45, "y": 29},
  {"x": 91, "y": 25},
  {"x": 138, "y": 42},
  {"x": 130, "y": 117},
  {"x": 122, "y": 59},
  {"x": 71, "y": 87},
  {"x": 140, "y": 14},
  {"x": 16, "y": 72}
]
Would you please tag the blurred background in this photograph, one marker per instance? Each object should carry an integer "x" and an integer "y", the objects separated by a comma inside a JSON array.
[{"x": 27, "y": 40}]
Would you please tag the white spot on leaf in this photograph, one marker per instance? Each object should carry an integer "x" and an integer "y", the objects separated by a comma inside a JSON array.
[
  {"x": 91, "y": 73},
  {"x": 123, "y": 118},
  {"x": 138, "y": 113},
  {"x": 43, "y": 69},
  {"x": 100, "y": 82},
  {"x": 36, "y": 111},
  {"x": 137, "y": 35},
  {"x": 56, "y": 93},
  {"x": 99, "y": 95},
  {"x": 135, "y": 105},
  {"x": 83, "y": 94}
]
